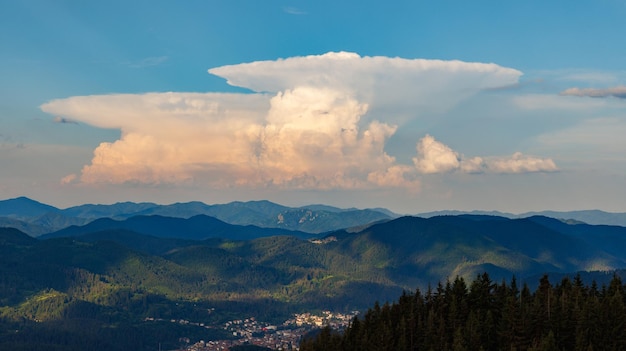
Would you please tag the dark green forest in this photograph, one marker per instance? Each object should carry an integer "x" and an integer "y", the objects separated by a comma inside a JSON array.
[
  {"x": 116, "y": 289},
  {"x": 486, "y": 315}
]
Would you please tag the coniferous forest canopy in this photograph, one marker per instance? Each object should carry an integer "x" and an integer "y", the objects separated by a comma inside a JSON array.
[{"x": 487, "y": 315}]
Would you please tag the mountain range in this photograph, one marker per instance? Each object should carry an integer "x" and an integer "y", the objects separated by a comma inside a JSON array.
[
  {"x": 586, "y": 216},
  {"x": 116, "y": 265},
  {"x": 198, "y": 227},
  {"x": 35, "y": 218},
  {"x": 378, "y": 241},
  {"x": 403, "y": 253},
  {"x": 394, "y": 254}
]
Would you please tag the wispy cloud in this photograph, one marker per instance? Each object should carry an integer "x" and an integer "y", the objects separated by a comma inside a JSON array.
[
  {"x": 294, "y": 10},
  {"x": 556, "y": 102},
  {"x": 592, "y": 77},
  {"x": 582, "y": 76},
  {"x": 147, "y": 62},
  {"x": 601, "y": 137},
  {"x": 69, "y": 179},
  {"x": 520, "y": 163},
  {"x": 517, "y": 85},
  {"x": 618, "y": 92}
]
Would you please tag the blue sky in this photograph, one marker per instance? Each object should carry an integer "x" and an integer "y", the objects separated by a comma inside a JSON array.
[{"x": 414, "y": 106}]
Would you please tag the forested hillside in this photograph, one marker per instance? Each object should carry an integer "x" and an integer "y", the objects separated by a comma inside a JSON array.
[
  {"x": 112, "y": 276},
  {"x": 487, "y": 315}
]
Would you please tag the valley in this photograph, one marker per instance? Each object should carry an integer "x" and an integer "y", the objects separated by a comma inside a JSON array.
[{"x": 150, "y": 277}]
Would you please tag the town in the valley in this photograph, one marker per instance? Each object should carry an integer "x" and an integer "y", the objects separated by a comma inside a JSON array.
[{"x": 251, "y": 331}]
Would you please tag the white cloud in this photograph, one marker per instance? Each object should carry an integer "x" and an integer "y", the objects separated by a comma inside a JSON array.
[
  {"x": 301, "y": 138},
  {"x": 407, "y": 87},
  {"x": 315, "y": 133},
  {"x": 473, "y": 165},
  {"x": 316, "y": 122},
  {"x": 519, "y": 163},
  {"x": 155, "y": 113},
  {"x": 436, "y": 157},
  {"x": 168, "y": 137},
  {"x": 365, "y": 74}
]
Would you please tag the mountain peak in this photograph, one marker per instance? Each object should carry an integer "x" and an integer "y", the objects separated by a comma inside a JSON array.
[{"x": 24, "y": 207}]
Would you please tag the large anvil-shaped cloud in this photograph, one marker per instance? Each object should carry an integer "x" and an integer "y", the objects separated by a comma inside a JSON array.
[
  {"x": 413, "y": 86},
  {"x": 303, "y": 128}
]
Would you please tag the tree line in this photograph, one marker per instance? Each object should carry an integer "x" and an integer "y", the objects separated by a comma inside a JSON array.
[{"x": 490, "y": 316}]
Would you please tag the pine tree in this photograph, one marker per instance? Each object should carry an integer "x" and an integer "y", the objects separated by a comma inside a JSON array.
[
  {"x": 567, "y": 316},
  {"x": 458, "y": 343}
]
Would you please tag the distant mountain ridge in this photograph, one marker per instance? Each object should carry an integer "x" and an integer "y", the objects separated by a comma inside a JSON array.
[
  {"x": 37, "y": 219},
  {"x": 198, "y": 227},
  {"x": 594, "y": 217},
  {"x": 22, "y": 207}
]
